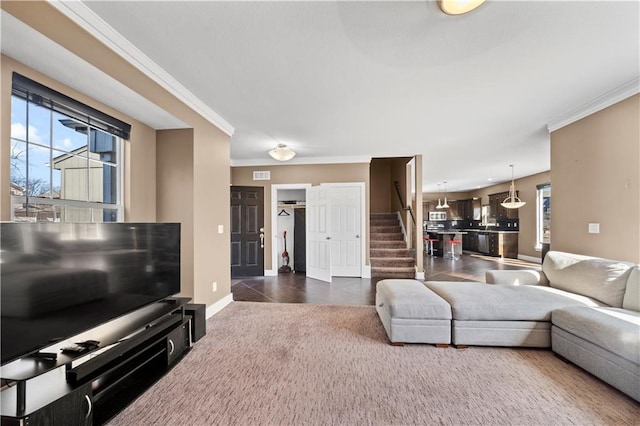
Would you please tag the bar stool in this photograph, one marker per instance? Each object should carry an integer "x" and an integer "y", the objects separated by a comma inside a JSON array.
[
  {"x": 429, "y": 241},
  {"x": 453, "y": 244}
]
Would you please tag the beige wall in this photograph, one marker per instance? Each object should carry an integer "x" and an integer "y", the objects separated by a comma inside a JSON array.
[
  {"x": 380, "y": 193},
  {"x": 174, "y": 159},
  {"x": 595, "y": 165},
  {"x": 299, "y": 174},
  {"x": 212, "y": 259},
  {"x": 208, "y": 167},
  {"x": 385, "y": 171}
]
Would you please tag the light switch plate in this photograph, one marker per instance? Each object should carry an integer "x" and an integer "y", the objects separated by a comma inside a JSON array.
[
  {"x": 594, "y": 228},
  {"x": 220, "y": 229}
]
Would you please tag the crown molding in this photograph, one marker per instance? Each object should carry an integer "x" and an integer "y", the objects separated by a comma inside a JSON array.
[
  {"x": 601, "y": 102},
  {"x": 258, "y": 162},
  {"x": 82, "y": 15}
]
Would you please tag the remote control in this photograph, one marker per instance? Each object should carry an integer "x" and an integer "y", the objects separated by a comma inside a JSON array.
[{"x": 76, "y": 349}]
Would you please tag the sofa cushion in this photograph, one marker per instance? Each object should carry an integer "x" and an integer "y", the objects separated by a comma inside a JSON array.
[
  {"x": 616, "y": 330},
  {"x": 601, "y": 279},
  {"x": 632, "y": 294},
  {"x": 411, "y": 299},
  {"x": 516, "y": 277},
  {"x": 481, "y": 301}
]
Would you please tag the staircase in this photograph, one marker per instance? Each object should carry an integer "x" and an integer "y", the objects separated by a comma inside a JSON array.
[{"x": 389, "y": 255}]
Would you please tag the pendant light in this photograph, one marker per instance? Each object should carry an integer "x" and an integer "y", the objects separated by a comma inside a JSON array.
[
  {"x": 439, "y": 206},
  {"x": 512, "y": 202},
  {"x": 445, "y": 205}
]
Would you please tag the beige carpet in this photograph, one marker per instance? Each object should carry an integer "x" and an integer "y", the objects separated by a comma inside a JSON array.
[{"x": 290, "y": 364}]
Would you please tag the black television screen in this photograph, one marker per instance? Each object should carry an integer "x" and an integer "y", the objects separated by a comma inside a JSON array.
[{"x": 60, "y": 279}]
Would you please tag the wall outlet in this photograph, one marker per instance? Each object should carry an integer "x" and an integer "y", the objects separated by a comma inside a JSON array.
[
  {"x": 594, "y": 228},
  {"x": 214, "y": 286},
  {"x": 220, "y": 229}
]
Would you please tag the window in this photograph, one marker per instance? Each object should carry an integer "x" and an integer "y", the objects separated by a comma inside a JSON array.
[
  {"x": 543, "y": 216},
  {"x": 65, "y": 160}
]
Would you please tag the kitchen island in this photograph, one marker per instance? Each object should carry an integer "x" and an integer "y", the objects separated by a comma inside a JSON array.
[
  {"x": 492, "y": 242},
  {"x": 499, "y": 241},
  {"x": 440, "y": 247}
]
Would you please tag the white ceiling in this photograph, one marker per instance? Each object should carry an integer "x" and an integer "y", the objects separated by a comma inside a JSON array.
[{"x": 343, "y": 81}]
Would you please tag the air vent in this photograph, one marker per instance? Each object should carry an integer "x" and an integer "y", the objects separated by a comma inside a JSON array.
[{"x": 264, "y": 175}]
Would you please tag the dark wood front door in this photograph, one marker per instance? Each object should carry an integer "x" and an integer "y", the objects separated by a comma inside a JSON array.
[{"x": 247, "y": 231}]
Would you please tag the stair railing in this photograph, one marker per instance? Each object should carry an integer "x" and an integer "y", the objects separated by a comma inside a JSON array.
[
  {"x": 407, "y": 207},
  {"x": 402, "y": 204}
]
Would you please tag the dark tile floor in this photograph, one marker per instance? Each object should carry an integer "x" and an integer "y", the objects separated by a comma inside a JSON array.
[{"x": 297, "y": 288}]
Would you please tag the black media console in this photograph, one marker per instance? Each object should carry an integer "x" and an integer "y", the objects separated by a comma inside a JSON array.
[{"x": 91, "y": 387}]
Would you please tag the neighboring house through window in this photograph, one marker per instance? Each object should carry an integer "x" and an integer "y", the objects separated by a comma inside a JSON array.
[{"x": 66, "y": 158}]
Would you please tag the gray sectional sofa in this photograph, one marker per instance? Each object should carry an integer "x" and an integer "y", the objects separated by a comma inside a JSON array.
[{"x": 586, "y": 309}]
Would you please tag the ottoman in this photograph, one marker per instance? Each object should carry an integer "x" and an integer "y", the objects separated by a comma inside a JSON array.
[{"x": 411, "y": 313}]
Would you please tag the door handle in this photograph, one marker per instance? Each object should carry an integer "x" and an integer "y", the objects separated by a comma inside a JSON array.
[
  {"x": 357, "y": 236},
  {"x": 262, "y": 239},
  {"x": 328, "y": 238},
  {"x": 89, "y": 406}
]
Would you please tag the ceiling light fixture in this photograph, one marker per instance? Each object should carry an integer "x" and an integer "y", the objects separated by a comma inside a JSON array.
[
  {"x": 439, "y": 206},
  {"x": 459, "y": 7},
  {"x": 282, "y": 153},
  {"x": 512, "y": 202},
  {"x": 445, "y": 205}
]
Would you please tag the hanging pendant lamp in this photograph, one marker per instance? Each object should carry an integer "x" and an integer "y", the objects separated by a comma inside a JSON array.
[
  {"x": 512, "y": 202},
  {"x": 439, "y": 206},
  {"x": 445, "y": 205}
]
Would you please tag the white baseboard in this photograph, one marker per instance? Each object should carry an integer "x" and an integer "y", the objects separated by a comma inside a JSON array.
[
  {"x": 529, "y": 258},
  {"x": 270, "y": 273},
  {"x": 218, "y": 306},
  {"x": 420, "y": 275},
  {"x": 366, "y": 271}
]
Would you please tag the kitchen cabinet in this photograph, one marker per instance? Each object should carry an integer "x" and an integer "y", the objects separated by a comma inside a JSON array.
[
  {"x": 503, "y": 245},
  {"x": 465, "y": 209},
  {"x": 492, "y": 243},
  {"x": 470, "y": 241}
]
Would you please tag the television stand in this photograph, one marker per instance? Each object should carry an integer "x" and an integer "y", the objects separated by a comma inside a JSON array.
[{"x": 91, "y": 387}]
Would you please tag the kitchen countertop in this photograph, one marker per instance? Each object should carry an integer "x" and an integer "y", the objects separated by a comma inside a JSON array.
[
  {"x": 492, "y": 231},
  {"x": 465, "y": 231},
  {"x": 453, "y": 231}
]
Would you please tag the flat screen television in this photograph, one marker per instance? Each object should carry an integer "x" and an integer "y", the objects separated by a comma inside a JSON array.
[{"x": 61, "y": 279}]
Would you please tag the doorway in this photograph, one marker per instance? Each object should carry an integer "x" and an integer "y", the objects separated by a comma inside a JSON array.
[
  {"x": 288, "y": 213},
  {"x": 334, "y": 228},
  {"x": 247, "y": 231}
]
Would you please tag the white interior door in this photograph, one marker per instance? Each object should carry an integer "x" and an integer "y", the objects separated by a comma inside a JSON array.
[
  {"x": 346, "y": 228},
  {"x": 318, "y": 226}
]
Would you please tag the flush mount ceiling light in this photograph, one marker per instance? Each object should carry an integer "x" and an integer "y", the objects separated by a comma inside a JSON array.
[
  {"x": 512, "y": 202},
  {"x": 458, "y": 7},
  {"x": 282, "y": 153}
]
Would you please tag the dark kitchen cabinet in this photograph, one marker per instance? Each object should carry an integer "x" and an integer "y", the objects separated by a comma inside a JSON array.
[
  {"x": 470, "y": 241},
  {"x": 465, "y": 209},
  {"x": 499, "y": 244},
  {"x": 503, "y": 245}
]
